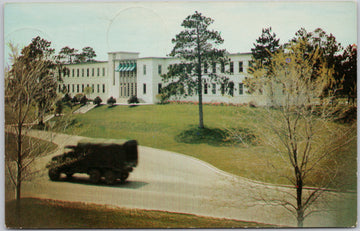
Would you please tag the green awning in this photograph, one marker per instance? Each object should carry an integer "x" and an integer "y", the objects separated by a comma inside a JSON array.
[
  {"x": 118, "y": 68},
  {"x": 133, "y": 67}
]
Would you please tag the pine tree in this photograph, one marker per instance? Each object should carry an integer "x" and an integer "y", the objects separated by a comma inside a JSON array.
[{"x": 195, "y": 46}]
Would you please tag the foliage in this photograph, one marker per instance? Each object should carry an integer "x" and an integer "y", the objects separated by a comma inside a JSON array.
[
  {"x": 86, "y": 55},
  {"x": 111, "y": 101},
  {"x": 215, "y": 136},
  {"x": 68, "y": 53},
  {"x": 162, "y": 98},
  {"x": 88, "y": 91},
  {"x": 266, "y": 45},
  {"x": 195, "y": 46},
  {"x": 133, "y": 99},
  {"x": 83, "y": 100},
  {"x": 299, "y": 119},
  {"x": 58, "y": 107},
  {"x": 346, "y": 73},
  {"x": 97, "y": 101},
  {"x": 66, "y": 98},
  {"x": 31, "y": 83},
  {"x": 74, "y": 100}
]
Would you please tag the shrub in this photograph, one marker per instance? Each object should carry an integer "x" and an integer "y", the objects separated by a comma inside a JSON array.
[
  {"x": 83, "y": 100},
  {"x": 133, "y": 99},
  {"x": 111, "y": 101},
  {"x": 162, "y": 98},
  {"x": 66, "y": 98},
  {"x": 74, "y": 100},
  {"x": 58, "y": 107},
  {"x": 97, "y": 101}
]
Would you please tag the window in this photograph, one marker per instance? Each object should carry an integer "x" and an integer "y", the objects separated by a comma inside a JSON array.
[
  {"x": 73, "y": 72},
  {"x": 92, "y": 72},
  {"x": 159, "y": 88},
  {"x": 214, "y": 88},
  {"x": 241, "y": 68},
  {"x": 103, "y": 73},
  {"x": 87, "y": 72},
  {"x": 68, "y": 88},
  {"x": 98, "y": 87},
  {"x": 132, "y": 89},
  {"x": 78, "y": 72},
  {"x": 223, "y": 88},
  {"x": 104, "y": 87},
  {"x": 92, "y": 88},
  {"x": 144, "y": 88},
  {"x": 214, "y": 67},
  {"x": 231, "y": 88},
  {"x": 77, "y": 88},
  {"x": 241, "y": 88},
  {"x": 205, "y": 89},
  {"x": 232, "y": 67},
  {"x": 82, "y": 87},
  {"x": 98, "y": 71},
  {"x": 159, "y": 69},
  {"x": 222, "y": 67},
  {"x": 144, "y": 69},
  {"x": 73, "y": 88},
  {"x": 205, "y": 68},
  {"x": 82, "y": 72}
]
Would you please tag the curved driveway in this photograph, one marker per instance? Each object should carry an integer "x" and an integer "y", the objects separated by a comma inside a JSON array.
[{"x": 174, "y": 182}]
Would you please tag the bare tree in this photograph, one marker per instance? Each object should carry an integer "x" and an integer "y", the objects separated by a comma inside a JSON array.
[
  {"x": 299, "y": 125},
  {"x": 25, "y": 80}
]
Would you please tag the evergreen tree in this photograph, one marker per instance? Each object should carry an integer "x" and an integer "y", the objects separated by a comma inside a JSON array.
[
  {"x": 265, "y": 45},
  {"x": 195, "y": 46}
]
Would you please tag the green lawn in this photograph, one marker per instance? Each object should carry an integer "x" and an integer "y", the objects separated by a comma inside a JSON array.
[
  {"x": 59, "y": 214},
  {"x": 165, "y": 126}
]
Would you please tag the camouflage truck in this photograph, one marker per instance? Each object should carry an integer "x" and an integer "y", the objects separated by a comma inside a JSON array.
[{"x": 110, "y": 159}]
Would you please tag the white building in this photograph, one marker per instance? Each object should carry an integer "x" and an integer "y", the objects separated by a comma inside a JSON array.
[{"x": 126, "y": 74}]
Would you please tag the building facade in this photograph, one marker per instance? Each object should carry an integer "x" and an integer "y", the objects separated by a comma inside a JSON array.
[{"x": 125, "y": 74}]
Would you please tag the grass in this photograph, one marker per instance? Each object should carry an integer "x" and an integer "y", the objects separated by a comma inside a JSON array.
[
  {"x": 174, "y": 127},
  {"x": 35, "y": 146},
  {"x": 66, "y": 215}
]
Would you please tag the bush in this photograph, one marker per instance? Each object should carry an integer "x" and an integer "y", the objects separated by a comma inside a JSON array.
[
  {"x": 111, "y": 101},
  {"x": 83, "y": 100},
  {"x": 66, "y": 98},
  {"x": 133, "y": 99},
  {"x": 97, "y": 101},
  {"x": 58, "y": 107},
  {"x": 162, "y": 98},
  {"x": 74, "y": 100}
]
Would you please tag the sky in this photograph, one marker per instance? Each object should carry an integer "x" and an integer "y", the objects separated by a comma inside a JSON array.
[{"x": 148, "y": 27}]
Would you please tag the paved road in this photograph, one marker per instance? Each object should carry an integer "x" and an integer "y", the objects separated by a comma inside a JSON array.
[{"x": 173, "y": 182}]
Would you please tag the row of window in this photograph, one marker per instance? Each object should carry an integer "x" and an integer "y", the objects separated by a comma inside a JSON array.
[
  {"x": 207, "y": 87},
  {"x": 75, "y": 88},
  {"x": 206, "y": 68},
  {"x": 128, "y": 89},
  {"x": 89, "y": 72}
]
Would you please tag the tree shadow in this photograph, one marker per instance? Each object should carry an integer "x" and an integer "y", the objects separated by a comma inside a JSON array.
[{"x": 215, "y": 136}]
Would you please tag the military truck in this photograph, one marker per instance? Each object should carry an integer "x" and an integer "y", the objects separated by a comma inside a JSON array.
[{"x": 108, "y": 159}]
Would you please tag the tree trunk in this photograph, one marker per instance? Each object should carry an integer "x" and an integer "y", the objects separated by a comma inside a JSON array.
[
  {"x": 19, "y": 173},
  {"x": 201, "y": 116},
  {"x": 299, "y": 187}
]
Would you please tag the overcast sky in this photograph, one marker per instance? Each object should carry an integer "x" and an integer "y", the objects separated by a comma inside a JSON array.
[{"x": 148, "y": 27}]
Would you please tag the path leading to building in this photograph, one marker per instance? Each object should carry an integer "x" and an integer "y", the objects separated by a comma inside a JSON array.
[{"x": 174, "y": 182}]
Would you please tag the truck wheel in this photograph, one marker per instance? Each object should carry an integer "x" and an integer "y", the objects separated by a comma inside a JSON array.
[
  {"x": 110, "y": 177},
  {"x": 54, "y": 174},
  {"x": 123, "y": 176},
  {"x": 95, "y": 176}
]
